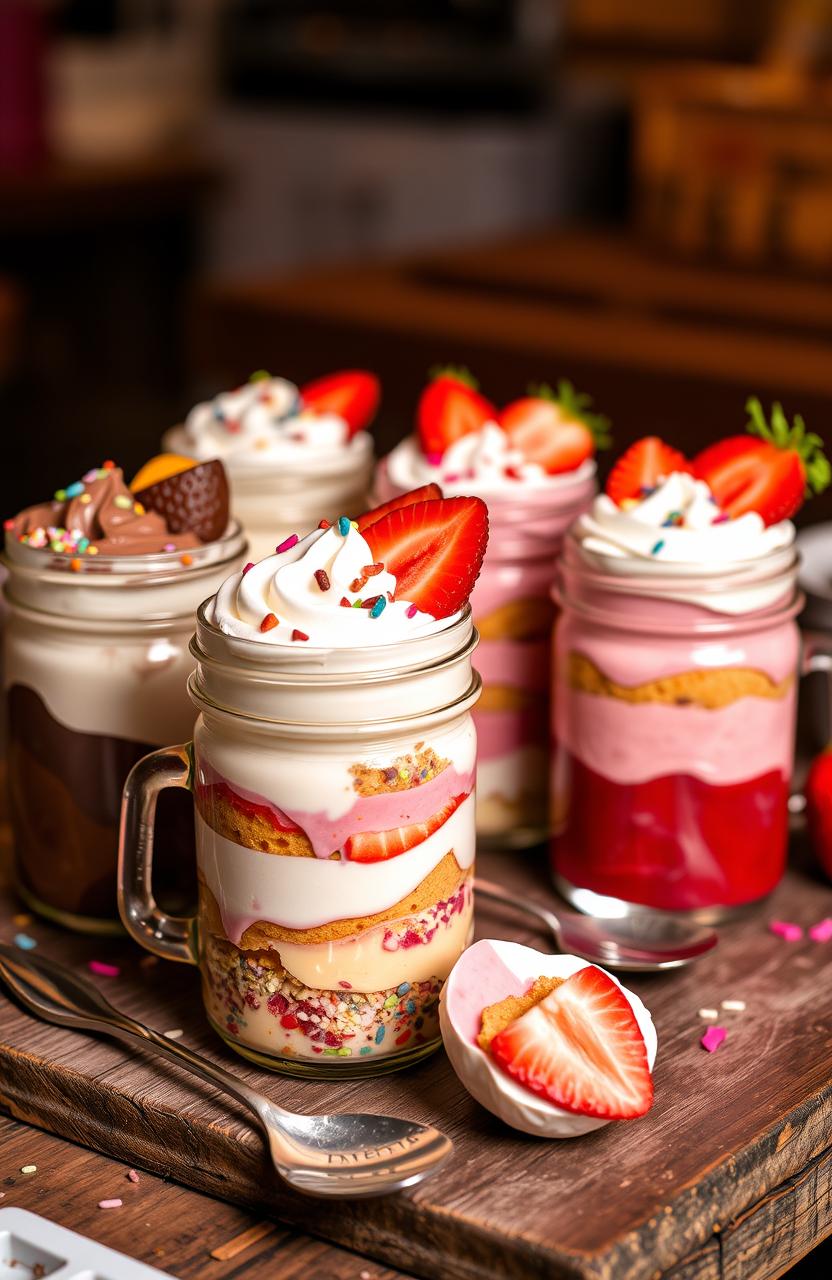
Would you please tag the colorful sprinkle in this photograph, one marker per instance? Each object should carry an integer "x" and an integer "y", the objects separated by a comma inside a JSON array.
[
  {"x": 75, "y": 565},
  {"x": 356, "y": 604},
  {"x": 85, "y": 499},
  {"x": 132, "y": 1176},
  {"x": 734, "y": 1006},
  {"x": 186, "y": 559},
  {"x": 785, "y": 930},
  {"x": 434, "y": 459},
  {"x": 345, "y": 603},
  {"x": 713, "y": 1038},
  {"x": 60, "y": 495},
  {"x": 8, "y": 524},
  {"x": 175, "y": 1033},
  {"x": 169, "y": 546},
  {"x": 25, "y": 943},
  {"x": 75, "y": 490},
  {"x": 372, "y": 569},
  {"x": 322, "y": 579},
  {"x": 260, "y": 375},
  {"x": 822, "y": 931},
  {"x": 353, "y": 524},
  {"x": 22, "y": 920},
  {"x": 379, "y": 607},
  {"x": 247, "y": 567},
  {"x": 28, "y": 1168},
  {"x": 370, "y": 602},
  {"x": 268, "y": 623},
  {"x": 656, "y": 547},
  {"x": 103, "y": 969},
  {"x": 287, "y": 544},
  {"x": 324, "y": 524},
  {"x": 122, "y": 501},
  {"x": 411, "y": 611},
  {"x": 138, "y": 509},
  {"x": 110, "y": 1204},
  {"x": 708, "y": 1013},
  {"x": 343, "y": 525},
  {"x": 380, "y": 1034},
  {"x": 299, "y": 635},
  {"x": 108, "y": 465},
  {"x": 722, "y": 518}
]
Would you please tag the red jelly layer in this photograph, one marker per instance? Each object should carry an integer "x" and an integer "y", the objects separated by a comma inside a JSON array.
[{"x": 673, "y": 842}]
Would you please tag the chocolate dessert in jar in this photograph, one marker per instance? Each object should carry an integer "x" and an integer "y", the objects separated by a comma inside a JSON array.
[
  {"x": 290, "y": 452},
  {"x": 533, "y": 463},
  {"x": 677, "y": 659},
  {"x": 333, "y": 766},
  {"x": 100, "y": 597}
]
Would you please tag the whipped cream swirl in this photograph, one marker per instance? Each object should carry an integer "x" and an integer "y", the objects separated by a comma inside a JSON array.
[
  {"x": 483, "y": 461},
  {"x": 303, "y": 587},
  {"x": 263, "y": 421}
]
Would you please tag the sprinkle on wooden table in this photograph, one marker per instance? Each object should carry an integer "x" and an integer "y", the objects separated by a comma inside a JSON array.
[
  {"x": 734, "y": 1006},
  {"x": 174, "y": 1034},
  {"x": 822, "y": 931},
  {"x": 786, "y": 930},
  {"x": 253, "y": 1235},
  {"x": 132, "y": 1176},
  {"x": 28, "y": 1168},
  {"x": 364, "y": 1275},
  {"x": 709, "y": 1013},
  {"x": 110, "y": 1204},
  {"x": 23, "y": 941},
  {"x": 21, "y": 920},
  {"x": 103, "y": 969},
  {"x": 713, "y": 1038}
]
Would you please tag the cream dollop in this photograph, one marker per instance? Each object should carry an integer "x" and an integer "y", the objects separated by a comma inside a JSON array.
[
  {"x": 262, "y": 421},
  {"x": 481, "y": 462},
  {"x": 679, "y": 531},
  {"x": 303, "y": 586}
]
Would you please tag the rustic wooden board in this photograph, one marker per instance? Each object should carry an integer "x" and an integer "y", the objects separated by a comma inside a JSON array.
[{"x": 729, "y": 1175}]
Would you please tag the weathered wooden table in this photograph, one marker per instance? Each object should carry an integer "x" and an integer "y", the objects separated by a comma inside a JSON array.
[{"x": 729, "y": 1176}]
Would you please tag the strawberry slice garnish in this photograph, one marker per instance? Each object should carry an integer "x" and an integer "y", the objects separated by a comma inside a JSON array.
[
  {"x": 772, "y": 470},
  {"x": 352, "y": 394},
  {"x": 378, "y": 846},
  {"x": 404, "y": 500},
  {"x": 581, "y": 1047},
  {"x": 640, "y": 469},
  {"x": 450, "y": 407},
  {"x": 434, "y": 549},
  {"x": 555, "y": 429}
]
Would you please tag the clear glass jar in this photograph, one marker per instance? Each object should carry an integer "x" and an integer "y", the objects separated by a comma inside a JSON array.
[
  {"x": 95, "y": 670},
  {"x": 335, "y": 823},
  {"x": 275, "y": 499},
  {"x": 674, "y": 719}
]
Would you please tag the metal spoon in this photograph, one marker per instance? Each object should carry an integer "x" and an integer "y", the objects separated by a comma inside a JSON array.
[
  {"x": 329, "y": 1155},
  {"x": 635, "y": 943}
]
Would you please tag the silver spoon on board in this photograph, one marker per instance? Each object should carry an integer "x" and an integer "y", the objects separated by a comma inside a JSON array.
[
  {"x": 634, "y": 943},
  {"x": 320, "y": 1155}
]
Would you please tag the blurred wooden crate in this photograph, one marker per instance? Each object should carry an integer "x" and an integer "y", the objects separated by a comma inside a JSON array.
[{"x": 736, "y": 164}]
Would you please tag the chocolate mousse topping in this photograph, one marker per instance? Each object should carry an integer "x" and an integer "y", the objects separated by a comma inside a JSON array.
[{"x": 97, "y": 514}]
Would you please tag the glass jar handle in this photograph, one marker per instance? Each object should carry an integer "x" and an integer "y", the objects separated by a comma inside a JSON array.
[
  {"x": 816, "y": 658},
  {"x": 169, "y": 936}
]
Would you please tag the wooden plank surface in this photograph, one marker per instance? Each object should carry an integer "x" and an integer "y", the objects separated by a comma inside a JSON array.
[
  {"x": 159, "y": 1222},
  {"x": 736, "y": 1148}
]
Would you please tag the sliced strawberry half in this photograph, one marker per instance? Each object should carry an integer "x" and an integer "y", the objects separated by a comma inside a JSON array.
[
  {"x": 434, "y": 549},
  {"x": 642, "y": 467},
  {"x": 771, "y": 470},
  {"x": 450, "y": 407},
  {"x": 404, "y": 500},
  {"x": 555, "y": 429},
  {"x": 352, "y": 394},
  {"x": 582, "y": 1049},
  {"x": 378, "y": 846}
]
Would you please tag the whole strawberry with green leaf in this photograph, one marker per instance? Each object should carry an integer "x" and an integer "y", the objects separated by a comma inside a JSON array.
[
  {"x": 555, "y": 429},
  {"x": 771, "y": 470}
]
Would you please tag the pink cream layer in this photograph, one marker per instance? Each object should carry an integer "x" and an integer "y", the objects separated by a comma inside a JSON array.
[
  {"x": 369, "y": 813},
  {"x": 501, "y": 732},
  {"x": 631, "y": 743},
  {"x": 519, "y": 664}
]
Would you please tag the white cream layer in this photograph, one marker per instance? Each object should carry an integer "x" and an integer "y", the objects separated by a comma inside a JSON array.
[
  {"x": 476, "y": 463},
  {"x": 305, "y": 893}
]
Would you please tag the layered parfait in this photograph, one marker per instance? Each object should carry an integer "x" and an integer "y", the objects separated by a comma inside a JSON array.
[
  {"x": 335, "y": 833},
  {"x": 533, "y": 463},
  {"x": 290, "y": 451},
  {"x": 676, "y": 667},
  {"x": 103, "y": 582}
]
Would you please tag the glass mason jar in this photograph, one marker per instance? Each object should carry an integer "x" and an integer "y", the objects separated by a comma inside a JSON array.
[
  {"x": 513, "y": 612},
  {"x": 95, "y": 670},
  {"x": 275, "y": 499},
  {"x": 674, "y": 719},
  {"x": 335, "y": 824}
]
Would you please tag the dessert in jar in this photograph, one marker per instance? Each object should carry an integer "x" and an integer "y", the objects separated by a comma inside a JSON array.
[
  {"x": 533, "y": 463},
  {"x": 102, "y": 586},
  {"x": 676, "y": 661},
  {"x": 332, "y": 767},
  {"x": 290, "y": 452}
]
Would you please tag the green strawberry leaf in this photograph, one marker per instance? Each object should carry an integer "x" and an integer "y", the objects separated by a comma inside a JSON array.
[
  {"x": 456, "y": 371},
  {"x": 806, "y": 444},
  {"x": 575, "y": 404}
]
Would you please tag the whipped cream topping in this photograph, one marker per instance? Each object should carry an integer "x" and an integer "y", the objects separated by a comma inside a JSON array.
[
  {"x": 679, "y": 523},
  {"x": 263, "y": 421},
  {"x": 483, "y": 462},
  {"x": 303, "y": 585}
]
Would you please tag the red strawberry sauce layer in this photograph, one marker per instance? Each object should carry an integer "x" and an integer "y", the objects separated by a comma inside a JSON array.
[
  {"x": 673, "y": 842},
  {"x": 382, "y": 812}
]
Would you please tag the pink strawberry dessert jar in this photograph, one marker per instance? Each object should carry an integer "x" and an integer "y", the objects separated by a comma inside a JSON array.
[{"x": 533, "y": 464}]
